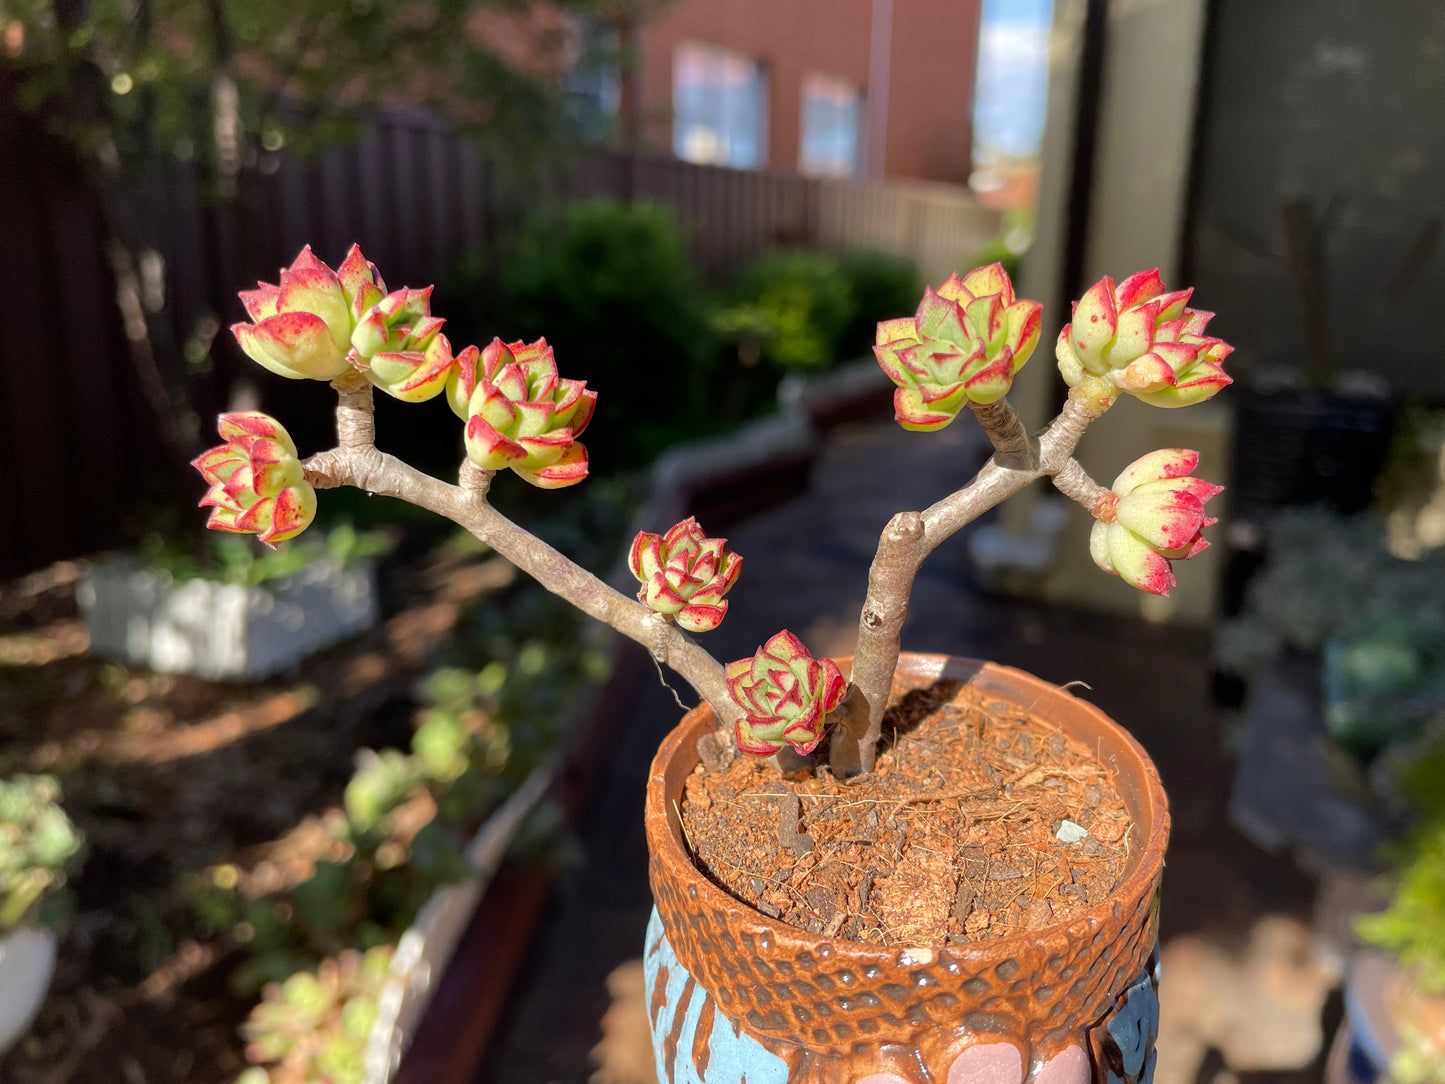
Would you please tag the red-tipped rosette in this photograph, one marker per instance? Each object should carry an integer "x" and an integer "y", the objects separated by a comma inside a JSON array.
[
  {"x": 785, "y": 695},
  {"x": 685, "y": 574}
]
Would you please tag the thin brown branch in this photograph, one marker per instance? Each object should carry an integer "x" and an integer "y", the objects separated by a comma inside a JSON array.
[
  {"x": 1073, "y": 481},
  {"x": 911, "y": 536},
  {"x": 357, "y": 462},
  {"x": 1013, "y": 447},
  {"x": 355, "y": 411}
]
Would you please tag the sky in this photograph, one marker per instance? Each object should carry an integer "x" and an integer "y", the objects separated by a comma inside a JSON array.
[{"x": 1009, "y": 101}]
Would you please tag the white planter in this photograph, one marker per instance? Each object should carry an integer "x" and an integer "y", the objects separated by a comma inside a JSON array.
[
  {"x": 425, "y": 950},
  {"x": 223, "y": 631},
  {"x": 27, "y": 961}
]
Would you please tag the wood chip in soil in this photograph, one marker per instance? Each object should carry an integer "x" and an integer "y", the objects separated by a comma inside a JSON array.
[{"x": 953, "y": 839}]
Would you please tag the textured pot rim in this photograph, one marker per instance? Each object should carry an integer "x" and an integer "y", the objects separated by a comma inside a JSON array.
[{"x": 1139, "y": 785}]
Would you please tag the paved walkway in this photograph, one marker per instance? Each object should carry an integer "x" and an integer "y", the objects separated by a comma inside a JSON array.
[{"x": 1236, "y": 911}]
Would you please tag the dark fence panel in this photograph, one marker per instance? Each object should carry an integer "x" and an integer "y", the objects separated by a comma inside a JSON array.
[{"x": 74, "y": 426}]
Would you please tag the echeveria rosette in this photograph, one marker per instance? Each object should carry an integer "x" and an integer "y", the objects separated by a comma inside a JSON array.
[
  {"x": 785, "y": 695},
  {"x": 257, "y": 482},
  {"x": 301, "y": 327},
  {"x": 1154, "y": 515},
  {"x": 398, "y": 345},
  {"x": 521, "y": 415},
  {"x": 1140, "y": 336},
  {"x": 685, "y": 574},
  {"x": 965, "y": 343}
]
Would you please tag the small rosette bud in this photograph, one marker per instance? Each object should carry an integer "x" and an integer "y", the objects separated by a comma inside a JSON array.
[
  {"x": 685, "y": 574},
  {"x": 1140, "y": 336},
  {"x": 257, "y": 483},
  {"x": 471, "y": 366},
  {"x": 398, "y": 345},
  {"x": 785, "y": 695},
  {"x": 964, "y": 344},
  {"x": 1154, "y": 515},
  {"x": 301, "y": 328},
  {"x": 521, "y": 415}
]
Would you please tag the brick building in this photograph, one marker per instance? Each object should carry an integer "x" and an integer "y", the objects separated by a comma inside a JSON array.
[{"x": 847, "y": 88}]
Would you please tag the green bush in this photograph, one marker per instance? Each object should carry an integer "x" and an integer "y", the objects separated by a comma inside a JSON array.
[
  {"x": 884, "y": 287},
  {"x": 613, "y": 289},
  {"x": 789, "y": 309},
  {"x": 1413, "y": 926}
]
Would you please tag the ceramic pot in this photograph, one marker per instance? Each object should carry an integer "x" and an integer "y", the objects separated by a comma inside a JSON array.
[
  {"x": 736, "y": 996},
  {"x": 27, "y": 962},
  {"x": 1386, "y": 1016}
]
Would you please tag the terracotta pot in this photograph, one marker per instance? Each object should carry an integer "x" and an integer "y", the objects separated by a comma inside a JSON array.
[{"x": 735, "y": 995}]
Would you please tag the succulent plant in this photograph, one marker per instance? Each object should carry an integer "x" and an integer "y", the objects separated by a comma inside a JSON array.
[
  {"x": 38, "y": 844},
  {"x": 685, "y": 574},
  {"x": 523, "y": 416},
  {"x": 314, "y": 1027},
  {"x": 399, "y": 346},
  {"x": 1140, "y": 336},
  {"x": 785, "y": 694},
  {"x": 301, "y": 328},
  {"x": 964, "y": 344},
  {"x": 1153, "y": 515},
  {"x": 257, "y": 483},
  {"x": 383, "y": 781}
]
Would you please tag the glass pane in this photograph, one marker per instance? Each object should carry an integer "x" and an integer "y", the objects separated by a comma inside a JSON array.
[
  {"x": 719, "y": 101},
  {"x": 832, "y": 112}
]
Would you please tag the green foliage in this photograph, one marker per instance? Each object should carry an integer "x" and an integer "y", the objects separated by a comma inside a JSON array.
[
  {"x": 38, "y": 844},
  {"x": 612, "y": 288},
  {"x": 408, "y": 815},
  {"x": 131, "y": 76},
  {"x": 789, "y": 308},
  {"x": 1008, "y": 246},
  {"x": 315, "y": 1025},
  {"x": 1413, "y": 926},
  {"x": 884, "y": 287},
  {"x": 237, "y": 559}
]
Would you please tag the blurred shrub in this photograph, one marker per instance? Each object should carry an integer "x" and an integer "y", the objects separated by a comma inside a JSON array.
[
  {"x": 803, "y": 311},
  {"x": 884, "y": 287},
  {"x": 1331, "y": 585},
  {"x": 1413, "y": 925},
  {"x": 789, "y": 309},
  {"x": 612, "y": 288},
  {"x": 1008, "y": 246}
]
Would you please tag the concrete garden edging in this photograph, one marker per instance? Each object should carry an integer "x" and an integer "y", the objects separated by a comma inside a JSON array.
[{"x": 219, "y": 631}]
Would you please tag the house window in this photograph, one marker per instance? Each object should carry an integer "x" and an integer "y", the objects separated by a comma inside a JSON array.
[
  {"x": 832, "y": 112},
  {"x": 719, "y": 102},
  {"x": 592, "y": 84}
]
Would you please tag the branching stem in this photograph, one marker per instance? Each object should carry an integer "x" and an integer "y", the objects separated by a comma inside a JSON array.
[
  {"x": 910, "y": 537},
  {"x": 356, "y": 461}
]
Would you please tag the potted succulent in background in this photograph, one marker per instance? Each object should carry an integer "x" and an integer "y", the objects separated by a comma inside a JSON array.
[
  {"x": 910, "y": 964},
  {"x": 37, "y": 845},
  {"x": 1395, "y": 994},
  {"x": 316, "y": 1025}
]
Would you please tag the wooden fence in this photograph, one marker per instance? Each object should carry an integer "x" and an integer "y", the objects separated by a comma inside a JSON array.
[{"x": 74, "y": 424}]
